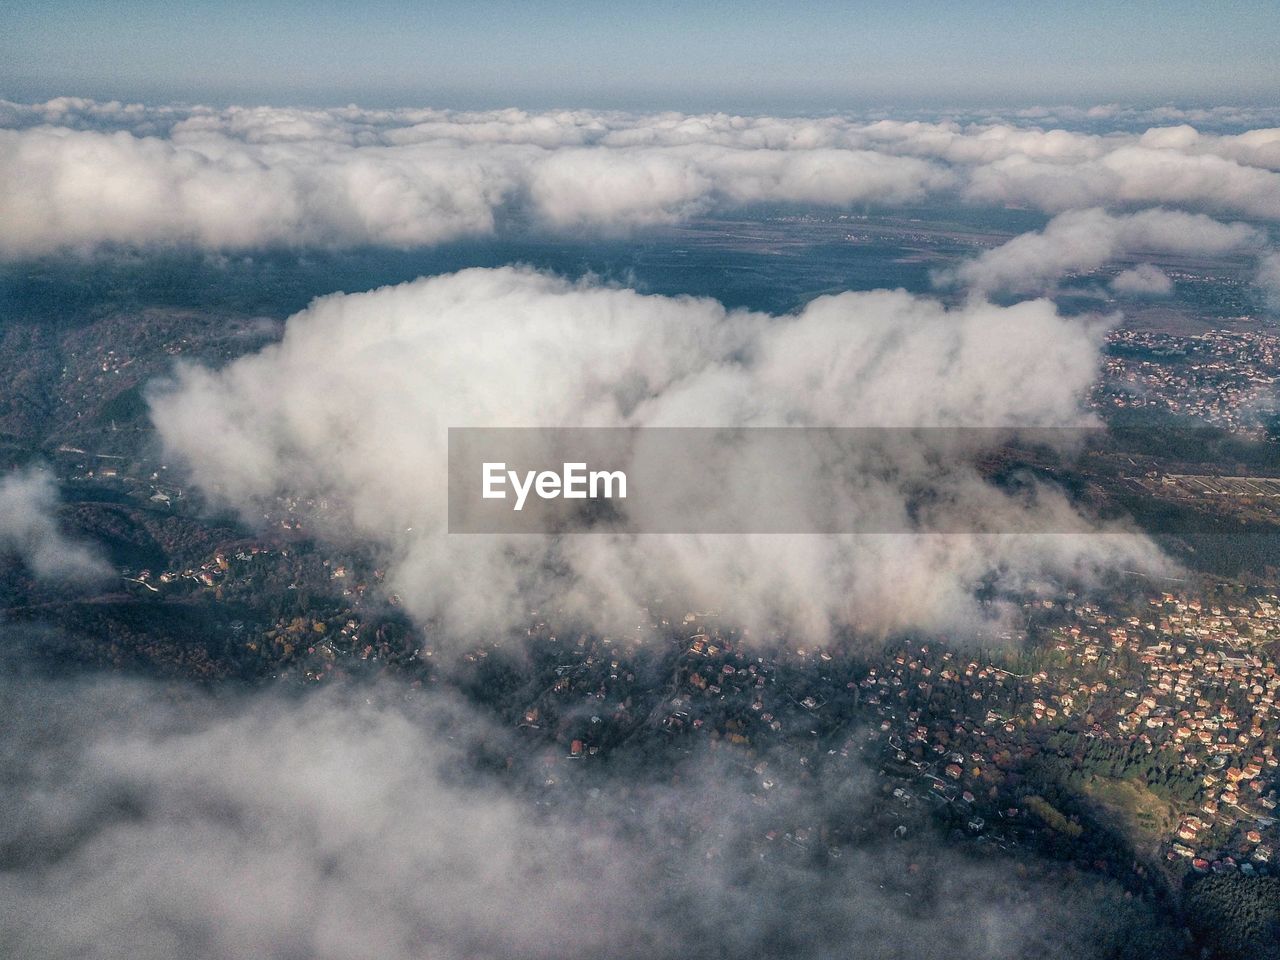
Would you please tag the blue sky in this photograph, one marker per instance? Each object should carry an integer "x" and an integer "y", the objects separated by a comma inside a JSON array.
[{"x": 694, "y": 54}]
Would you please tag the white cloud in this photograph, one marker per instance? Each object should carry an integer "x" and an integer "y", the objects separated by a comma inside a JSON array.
[
  {"x": 29, "y": 530},
  {"x": 353, "y": 405},
  {"x": 640, "y": 186},
  {"x": 66, "y": 188},
  {"x": 1130, "y": 174},
  {"x": 1081, "y": 241},
  {"x": 1144, "y": 280},
  {"x": 82, "y": 174}
]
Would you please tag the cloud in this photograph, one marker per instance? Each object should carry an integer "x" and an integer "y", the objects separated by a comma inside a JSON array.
[
  {"x": 642, "y": 186},
  {"x": 29, "y": 530},
  {"x": 356, "y": 824},
  {"x": 329, "y": 828},
  {"x": 81, "y": 189},
  {"x": 1130, "y": 175},
  {"x": 82, "y": 175},
  {"x": 1082, "y": 241},
  {"x": 280, "y": 181},
  {"x": 352, "y": 407},
  {"x": 1144, "y": 280}
]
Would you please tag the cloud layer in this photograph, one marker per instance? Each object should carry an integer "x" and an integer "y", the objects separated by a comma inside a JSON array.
[
  {"x": 77, "y": 174},
  {"x": 350, "y": 411}
]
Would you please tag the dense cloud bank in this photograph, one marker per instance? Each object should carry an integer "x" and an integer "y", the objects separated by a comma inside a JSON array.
[
  {"x": 79, "y": 174},
  {"x": 349, "y": 415},
  {"x": 352, "y": 825}
]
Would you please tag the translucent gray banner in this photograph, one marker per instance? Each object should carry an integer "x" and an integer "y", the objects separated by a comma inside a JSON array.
[{"x": 849, "y": 480}]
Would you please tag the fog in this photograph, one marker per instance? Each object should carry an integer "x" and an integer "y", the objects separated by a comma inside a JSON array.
[{"x": 158, "y": 822}]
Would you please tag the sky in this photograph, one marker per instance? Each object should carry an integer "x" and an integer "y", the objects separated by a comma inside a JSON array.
[{"x": 651, "y": 54}]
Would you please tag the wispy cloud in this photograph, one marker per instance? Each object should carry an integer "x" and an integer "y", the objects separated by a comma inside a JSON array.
[
  {"x": 29, "y": 529},
  {"x": 354, "y": 825}
]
